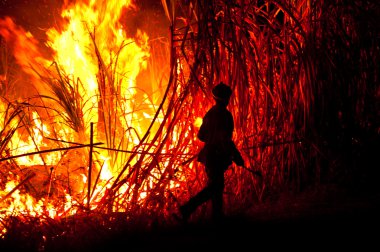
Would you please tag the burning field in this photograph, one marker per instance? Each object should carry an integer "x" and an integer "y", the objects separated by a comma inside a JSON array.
[{"x": 101, "y": 102}]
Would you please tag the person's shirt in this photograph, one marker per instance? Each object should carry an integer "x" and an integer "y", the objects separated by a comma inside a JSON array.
[
  {"x": 217, "y": 126},
  {"x": 216, "y": 131}
]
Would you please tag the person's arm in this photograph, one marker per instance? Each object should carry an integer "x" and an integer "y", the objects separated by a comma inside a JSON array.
[
  {"x": 236, "y": 155},
  {"x": 202, "y": 133}
]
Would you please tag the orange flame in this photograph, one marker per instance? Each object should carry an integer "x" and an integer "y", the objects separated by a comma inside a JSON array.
[{"x": 98, "y": 63}]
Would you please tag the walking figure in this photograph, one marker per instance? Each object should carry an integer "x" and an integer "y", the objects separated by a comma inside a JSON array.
[{"x": 217, "y": 155}]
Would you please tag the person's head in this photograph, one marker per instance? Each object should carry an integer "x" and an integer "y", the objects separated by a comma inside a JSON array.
[{"x": 222, "y": 93}]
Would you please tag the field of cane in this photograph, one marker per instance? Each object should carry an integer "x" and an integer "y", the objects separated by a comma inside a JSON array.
[{"x": 99, "y": 118}]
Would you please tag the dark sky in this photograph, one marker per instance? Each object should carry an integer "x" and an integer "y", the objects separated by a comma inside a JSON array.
[
  {"x": 38, "y": 15},
  {"x": 34, "y": 15},
  {"x": 37, "y": 10}
]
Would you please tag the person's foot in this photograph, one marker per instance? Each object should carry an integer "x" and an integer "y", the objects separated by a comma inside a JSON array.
[
  {"x": 178, "y": 218},
  {"x": 184, "y": 212},
  {"x": 182, "y": 216}
]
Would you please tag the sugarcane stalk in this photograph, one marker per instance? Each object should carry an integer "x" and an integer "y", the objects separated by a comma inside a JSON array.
[
  {"x": 90, "y": 165},
  {"x": 46, "y": 151}
]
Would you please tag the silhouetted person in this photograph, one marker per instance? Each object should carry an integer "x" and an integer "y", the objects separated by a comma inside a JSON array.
[{"x": 217, "y": 155}]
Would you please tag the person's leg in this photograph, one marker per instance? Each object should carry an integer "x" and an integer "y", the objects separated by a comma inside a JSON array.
[
  {"x": 189, "y": 207},
  {"x": 217, "y": 185},
  {"x": 206, "y": 194}
]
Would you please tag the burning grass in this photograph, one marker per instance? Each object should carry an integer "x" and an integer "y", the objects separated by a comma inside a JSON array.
[{"x": 92, "y": 152}]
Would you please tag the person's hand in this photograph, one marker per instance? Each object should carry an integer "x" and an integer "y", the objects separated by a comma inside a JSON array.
[{"x": 239, "y": 161}]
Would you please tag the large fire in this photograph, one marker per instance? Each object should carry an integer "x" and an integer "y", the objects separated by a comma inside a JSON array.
[{"x": 83, "y": 116}]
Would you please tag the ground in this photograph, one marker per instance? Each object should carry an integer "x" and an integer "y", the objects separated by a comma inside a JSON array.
[{"x": 326, "y": 219}]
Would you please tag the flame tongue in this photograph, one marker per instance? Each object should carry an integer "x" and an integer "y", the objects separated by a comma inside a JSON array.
[
  {"x": 94, "y": 38},
  {"x": 98, "y": 58},
  {"x": 97, "y": 64}
]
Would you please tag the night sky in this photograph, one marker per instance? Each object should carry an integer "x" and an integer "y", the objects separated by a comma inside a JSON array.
[
  {"x": 38, "y": 15},
  {"x": 34, "y": 16}
]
